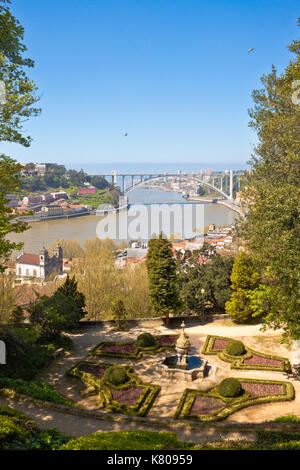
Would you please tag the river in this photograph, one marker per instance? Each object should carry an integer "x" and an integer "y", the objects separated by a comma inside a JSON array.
[{"x": 82, "y": 228}]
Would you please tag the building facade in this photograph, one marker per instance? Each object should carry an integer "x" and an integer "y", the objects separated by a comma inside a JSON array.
[{"x": 39, "y": 266}]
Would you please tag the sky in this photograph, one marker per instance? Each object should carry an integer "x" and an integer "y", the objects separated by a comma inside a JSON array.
[{"x": 175, "y": 75}]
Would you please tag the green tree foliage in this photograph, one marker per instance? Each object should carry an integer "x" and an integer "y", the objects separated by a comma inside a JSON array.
[
  {"x": 204, "y": 286},
  {"x": 9, "y": 183},
  {"x": 99, "y": 182},
  {"x": 163, "y": 286},
  {"x": 52, "y": 315},
  {"x": 70, "y": 291},
  {"x": 272, "y": 226},
  {"x": 20, "y": 91},
  {"x": 245, "y": 279},
  {"x": 118, "y": 312}
]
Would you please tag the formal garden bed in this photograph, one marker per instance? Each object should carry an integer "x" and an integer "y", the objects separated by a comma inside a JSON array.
[
  {"x": 134, "y": 349},
  {"x": 128, "y": 394},
  {"x": 247, "y": 359},
  {"x": 212, "y": 405}
]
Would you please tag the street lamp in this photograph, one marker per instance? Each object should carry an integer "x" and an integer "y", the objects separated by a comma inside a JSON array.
[{"x": 203, "y": 308}]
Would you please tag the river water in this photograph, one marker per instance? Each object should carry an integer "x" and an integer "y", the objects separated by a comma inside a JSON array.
[{"x": 82, "y": 228}]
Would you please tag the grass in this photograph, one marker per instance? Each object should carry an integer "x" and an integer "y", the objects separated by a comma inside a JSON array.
[
  {"x": 38, "y": 390},
  {"x": 287, "y": 419},
  {"x": 128, "y": 440}
]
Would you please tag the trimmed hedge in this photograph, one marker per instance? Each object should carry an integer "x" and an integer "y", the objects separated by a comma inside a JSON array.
[
  {"x": 146, "y": 340},
  {"x": 238, "y": 362},
  {"x": 116, "y": 375},
  {"x": 104, "y": 387},
  {"x": 235, "y": 348},
  {"x": 231, "y": 405},
  {"x": 139, "y": 350},
  {"x": 230, "y": 388}
]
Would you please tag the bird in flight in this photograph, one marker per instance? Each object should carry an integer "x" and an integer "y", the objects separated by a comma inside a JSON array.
[
  {"x": 252, "y": 49},
  {"x": 126, "y": 134}
]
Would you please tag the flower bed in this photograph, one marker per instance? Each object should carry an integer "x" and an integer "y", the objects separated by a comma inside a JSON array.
[
  {"x": 261, "y": 389},
  {"x": 250, "y": 360},
  {"x": 209, "y": 405},
  {"x": 127, "y": 396},
  {"x": 203, "y": 405},
  {"x": 133, "y": 397},
  {"x": 131, "y": 350}
]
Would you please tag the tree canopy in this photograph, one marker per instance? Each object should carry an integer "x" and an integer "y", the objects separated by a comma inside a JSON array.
[{"x": 271, "y": 229}]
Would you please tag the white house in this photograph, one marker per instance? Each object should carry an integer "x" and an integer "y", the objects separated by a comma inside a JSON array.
[{"x": 39, "y": 266}]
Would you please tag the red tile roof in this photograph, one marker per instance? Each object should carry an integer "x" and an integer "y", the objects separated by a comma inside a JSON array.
[{"x": 29, "y": 259}]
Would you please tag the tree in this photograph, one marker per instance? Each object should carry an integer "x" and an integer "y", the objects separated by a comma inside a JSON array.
[
  {"x": 204, "y": 286},
  {"x": 19, "y": 89},
  {"x": 99, "y": 182},
  {"x": 69, "y": 289},
  {"x": 245, "y": 279},
  {"x": 71, "y": 248},
  {"x": 52, "y": 315},
  {"x": 163, "y": 287},
  {"x": 118, "y": 312},
  {"x": 271, "y": 228},
  {"x": 9, "y": 183}
]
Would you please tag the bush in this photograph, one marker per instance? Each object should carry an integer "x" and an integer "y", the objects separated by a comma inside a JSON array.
[
  {"x": 235, "y": 348},
  {"x": 116, "y": 375},
  {"x": 38, "y": 390},
  {"x": 128, "y": 440},
  {"x": 146, "y": 340},
  {"x": 230, "y": 388}
]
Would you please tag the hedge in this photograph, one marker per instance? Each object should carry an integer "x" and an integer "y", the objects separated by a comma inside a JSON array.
[
  {"x": 231, "y": 405},
  {"x": 143, "y": 404},
  {"x": 237, "y": 362},
  {"x": 137, "y": 354}
]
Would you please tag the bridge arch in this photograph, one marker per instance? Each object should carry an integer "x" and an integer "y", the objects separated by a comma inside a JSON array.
[{"x": 184, "y": 177}]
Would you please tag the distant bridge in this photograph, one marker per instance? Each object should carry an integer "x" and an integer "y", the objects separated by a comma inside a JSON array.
[{"x": 223, "y": 183}]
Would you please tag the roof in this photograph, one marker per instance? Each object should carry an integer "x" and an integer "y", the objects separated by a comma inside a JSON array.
[
  {"x": 28, "y": 259},
  {"x": 133, "y": 253}
]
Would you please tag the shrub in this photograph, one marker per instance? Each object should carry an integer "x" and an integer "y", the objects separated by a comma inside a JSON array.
[
  {"x": 128, "y": 440},
  {"x": 38, "y": 390},
  {"x": 235, "y": 348},
  {"x": 230, "y": 388},
  {"x": 116, "y": 375},
  {"x": 146, "y": 340}
]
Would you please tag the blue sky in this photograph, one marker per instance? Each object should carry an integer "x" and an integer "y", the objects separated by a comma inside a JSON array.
[{"x": 174, "y": 74}]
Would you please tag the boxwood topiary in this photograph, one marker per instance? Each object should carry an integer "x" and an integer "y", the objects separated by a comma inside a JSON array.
[
  {"x": 146, "y": 340},
  {"x": 235, "y": 348},
  {"x": 230, "y": 388},
  {"x": 116, "y": 375}
]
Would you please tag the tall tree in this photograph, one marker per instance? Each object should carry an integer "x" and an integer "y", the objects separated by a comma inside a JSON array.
[
  {"x": 272, "y": 194},
  {"x": 245, "y": 279},
  {"x": 16, "y": 105},
  {"x": 20, "y": 92},
  {"x": 9, "y": 183},
  {"x": 163, "y": 284}
]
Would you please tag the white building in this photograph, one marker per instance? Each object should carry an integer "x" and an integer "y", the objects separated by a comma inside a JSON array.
[{"x": 39, "y": 266}]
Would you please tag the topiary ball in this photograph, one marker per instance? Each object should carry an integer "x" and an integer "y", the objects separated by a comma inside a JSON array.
[
  {"x": 235, "y": 348},
  {"x": 146, "y": 340},
  {"x": 116, "y": 375},
  {"x": 230, "y": 388}
]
